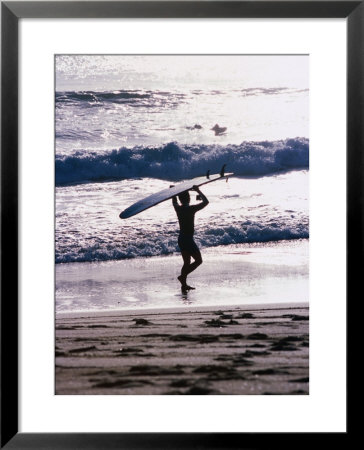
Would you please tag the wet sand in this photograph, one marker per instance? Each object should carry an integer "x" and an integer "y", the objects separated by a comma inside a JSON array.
[
  {"x": 244, "y": 350},
  {"x": 275, "y": 272}
]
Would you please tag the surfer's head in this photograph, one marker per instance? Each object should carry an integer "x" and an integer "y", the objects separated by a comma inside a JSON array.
[{"x": 184, "y": 198}]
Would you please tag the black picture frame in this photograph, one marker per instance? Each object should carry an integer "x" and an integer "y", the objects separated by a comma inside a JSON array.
[{"x": 11, "y": 13}]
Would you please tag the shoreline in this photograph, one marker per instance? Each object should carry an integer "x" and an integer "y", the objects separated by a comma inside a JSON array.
[
  {"x": 239, "y": 350},
  {"x": 176, "y": 310},
  {"x": 231, "y": 275}
]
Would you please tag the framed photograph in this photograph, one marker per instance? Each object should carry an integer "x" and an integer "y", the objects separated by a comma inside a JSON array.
[{"x": 180, "y": 218}]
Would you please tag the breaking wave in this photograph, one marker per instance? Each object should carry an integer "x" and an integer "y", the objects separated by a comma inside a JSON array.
[
  {"x": 175, "y": 161},
  {"x": 164, "y": 243}
]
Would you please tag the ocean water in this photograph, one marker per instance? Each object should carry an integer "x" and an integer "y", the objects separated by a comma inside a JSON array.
[{"x": 128, "y": 126}]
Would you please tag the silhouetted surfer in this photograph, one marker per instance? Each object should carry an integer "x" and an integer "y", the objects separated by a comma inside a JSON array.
[{"x": 188, "y": 247}]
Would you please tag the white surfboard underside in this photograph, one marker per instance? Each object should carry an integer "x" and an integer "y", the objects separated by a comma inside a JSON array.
[{"x": 168, "y": 193}]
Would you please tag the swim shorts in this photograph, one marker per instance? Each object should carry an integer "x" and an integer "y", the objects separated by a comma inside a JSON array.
[{"x": 187, "y": 244}]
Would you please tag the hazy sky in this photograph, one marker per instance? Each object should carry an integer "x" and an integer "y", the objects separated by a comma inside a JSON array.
[{"x": 101, "y": 73}]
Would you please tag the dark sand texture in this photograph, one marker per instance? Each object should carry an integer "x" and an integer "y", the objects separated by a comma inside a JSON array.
[{"x": 238, "y": 350}]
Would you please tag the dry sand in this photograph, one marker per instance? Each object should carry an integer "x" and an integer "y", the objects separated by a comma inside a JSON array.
[{"x": 257, "y": 349}]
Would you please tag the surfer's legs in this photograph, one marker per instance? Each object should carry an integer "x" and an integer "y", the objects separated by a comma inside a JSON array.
[
  {"x": 186, "y": 264},
  {"x": 197, "y": 262},
  {"x": 187, "y": 268},
  {"x": 189, "y": 250}
]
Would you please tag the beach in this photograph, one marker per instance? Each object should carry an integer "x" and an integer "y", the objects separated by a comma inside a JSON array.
[
  {"x": 246, "y": 350},
  {"x": 243, "y": 330}
]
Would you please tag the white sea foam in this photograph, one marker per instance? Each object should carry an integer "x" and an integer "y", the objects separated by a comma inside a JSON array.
[
  {"x": 88, "y": 227},
  {"x": 175, "y": 161}
]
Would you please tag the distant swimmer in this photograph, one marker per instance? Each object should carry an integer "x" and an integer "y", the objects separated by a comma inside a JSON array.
[
  {"x": 219, "y": 130},
  {"x": 188, "y": 247},
  {"x": 195, "y": 127}
]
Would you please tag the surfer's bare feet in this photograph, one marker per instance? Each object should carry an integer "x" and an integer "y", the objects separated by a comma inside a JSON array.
[
  {"x": 184, "y": 285},
  {"x": 184, "y": 290}
]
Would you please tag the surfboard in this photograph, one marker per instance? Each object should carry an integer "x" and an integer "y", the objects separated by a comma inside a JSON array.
[{"x": 166, "y": 194}]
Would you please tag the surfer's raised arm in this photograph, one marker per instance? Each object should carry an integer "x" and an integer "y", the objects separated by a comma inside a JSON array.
[
  {"x": 204, "y": 202},
  {"x": 175, "y": 202}
]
